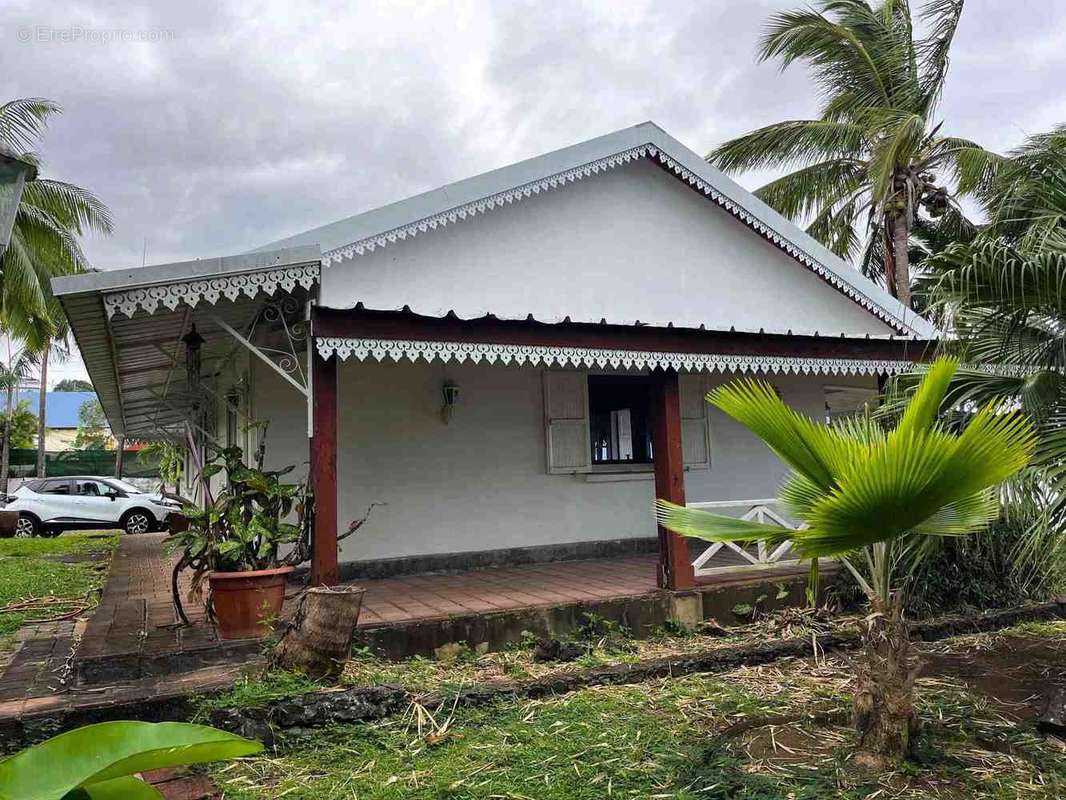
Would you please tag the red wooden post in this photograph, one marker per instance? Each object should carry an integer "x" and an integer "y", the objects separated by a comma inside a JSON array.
[
  {"x": 675, "y": 568},
  {"x": 324, "y": 470}
]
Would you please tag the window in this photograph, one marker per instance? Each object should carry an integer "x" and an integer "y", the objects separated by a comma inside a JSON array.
[
  {"x": 55, "y": 487},
  {"x": 619, "y": 420},
  {"x": 603, "y": 423},
  {"x": 847, "y": 401},
  {"x": 84, "y": 488}
]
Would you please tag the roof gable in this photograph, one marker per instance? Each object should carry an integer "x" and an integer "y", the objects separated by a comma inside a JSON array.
[{"x": 364, "y": 234}]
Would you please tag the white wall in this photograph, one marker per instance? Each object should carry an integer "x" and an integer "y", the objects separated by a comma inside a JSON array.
[
  {"x": 481, "y": 482},
  {"x": 276, "y": 401},
  {"x": 631, "y": 244}
]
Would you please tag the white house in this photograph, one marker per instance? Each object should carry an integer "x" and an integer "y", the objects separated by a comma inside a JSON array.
[{"x": 514, "y": 364}]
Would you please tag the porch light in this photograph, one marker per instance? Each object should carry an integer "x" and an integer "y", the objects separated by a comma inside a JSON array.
[
  {"x": 450, "y": 395},
  {"x": 192, "y": 341},
  {"x": 15, "y": 173}
]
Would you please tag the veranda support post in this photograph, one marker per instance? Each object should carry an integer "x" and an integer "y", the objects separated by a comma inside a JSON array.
[
  {"x": 675, "y": 568},
  {"x": 324, "y": 470}
]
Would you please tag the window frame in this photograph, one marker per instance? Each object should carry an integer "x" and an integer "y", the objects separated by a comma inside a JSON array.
[
  {"x": 594, "y": 472},
  {"x": 43, "y": 490}
]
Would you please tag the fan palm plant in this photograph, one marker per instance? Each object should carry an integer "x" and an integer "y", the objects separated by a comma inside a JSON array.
[
  {"x": 861, "y": 171},
  {"x": 869, "y": 496}
]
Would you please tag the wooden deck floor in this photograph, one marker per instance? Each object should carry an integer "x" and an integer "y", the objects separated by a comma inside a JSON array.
[{"x": 433, "y": 596}]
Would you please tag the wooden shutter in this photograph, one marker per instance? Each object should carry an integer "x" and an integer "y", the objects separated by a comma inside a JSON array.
[
  {"x": 566, "y": 421},
  {"x": 695, "y": 438}
]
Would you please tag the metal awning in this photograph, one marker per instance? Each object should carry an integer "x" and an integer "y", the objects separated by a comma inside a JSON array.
[{"x": 129, "y": 325}]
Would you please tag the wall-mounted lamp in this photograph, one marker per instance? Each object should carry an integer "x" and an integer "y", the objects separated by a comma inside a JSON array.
[{"x": 449, "y": 397}]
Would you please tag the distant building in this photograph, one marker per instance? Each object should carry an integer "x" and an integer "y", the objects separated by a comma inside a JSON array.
[{"x": 61, "y": 415}]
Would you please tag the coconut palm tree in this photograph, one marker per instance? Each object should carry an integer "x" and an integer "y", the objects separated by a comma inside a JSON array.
[
  {"x": 13, "y": 375},
  {"x": 875, "y": 156},
  {"x": 51, "y": 218},
  {"x": 870, "y": 496}
]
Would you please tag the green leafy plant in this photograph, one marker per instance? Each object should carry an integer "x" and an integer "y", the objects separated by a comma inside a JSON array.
[
  {"x": 23, "y": 425},
  {"x": 870, "y": 497},
  {"x": 244, "y": 526},
  {"x": 170, "y": 458},
  {"x": 101, "y": 762},
  {"x": 93, "y": 431}
]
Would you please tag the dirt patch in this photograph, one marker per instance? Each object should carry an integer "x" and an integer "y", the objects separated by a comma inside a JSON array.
[
  {"x": 102, "y": 556},
  {"x": 1017, "y": 672}
]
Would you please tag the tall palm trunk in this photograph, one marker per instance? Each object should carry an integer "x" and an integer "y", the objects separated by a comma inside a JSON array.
[
  {"x": 42, "y": 425},
  {"x": 5, "y": 459},
  {"x": 901, "y": 236}
]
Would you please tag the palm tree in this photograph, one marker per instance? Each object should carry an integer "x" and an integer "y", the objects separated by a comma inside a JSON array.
[
  {"x": 875, "y": 156},
  {"x": 13, "y": 375},
  {"x": 870, "y": 496},
  {"x": 58, "y": 346},
  {"x": 1001, "y": 299},
  {"x": 51, "y": 218}
]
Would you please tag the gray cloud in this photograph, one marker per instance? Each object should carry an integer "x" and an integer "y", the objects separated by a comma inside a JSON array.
[{"x": 213, "y": 128}]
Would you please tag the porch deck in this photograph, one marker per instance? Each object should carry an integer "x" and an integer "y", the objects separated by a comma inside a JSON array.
[{"x": 416, "y": 598}]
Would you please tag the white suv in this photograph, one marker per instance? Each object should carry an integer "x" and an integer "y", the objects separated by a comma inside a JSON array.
[{"x": 48, "y": 506}]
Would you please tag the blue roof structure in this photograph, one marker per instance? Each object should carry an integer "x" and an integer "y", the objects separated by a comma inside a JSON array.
[{"x": 61, "y": 408}]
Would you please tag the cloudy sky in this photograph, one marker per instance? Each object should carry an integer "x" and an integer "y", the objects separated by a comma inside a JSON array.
[{"x": 210, "y": 128}]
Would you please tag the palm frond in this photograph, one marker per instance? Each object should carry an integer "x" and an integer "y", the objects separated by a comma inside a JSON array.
[
  {"x": 23, "y": 121},
  {"x": 793, "y": 142},
  {"x": 710, "y": 527},
  {"x": 941, "y": 18},
  {"x": 71, "y": 206}
]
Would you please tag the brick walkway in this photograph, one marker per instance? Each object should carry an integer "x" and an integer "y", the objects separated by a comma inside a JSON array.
[{"x": 134, "y": 632}]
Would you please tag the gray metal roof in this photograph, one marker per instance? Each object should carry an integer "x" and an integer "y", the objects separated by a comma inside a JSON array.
[{"x": 402, "y": 214}]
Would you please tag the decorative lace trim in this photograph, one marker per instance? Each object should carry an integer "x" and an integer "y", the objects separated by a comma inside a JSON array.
[
  {"x": 470, "y": 210},
  {"x": 211, "y": 290},
  {"x": 499, "y": 200},
  {"x": 589, "y": 357}
]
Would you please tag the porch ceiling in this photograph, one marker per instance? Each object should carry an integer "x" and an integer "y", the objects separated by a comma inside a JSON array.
[{"x": 135, "y": 357}]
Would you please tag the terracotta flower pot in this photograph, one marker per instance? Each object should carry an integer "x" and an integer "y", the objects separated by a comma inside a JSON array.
[{"x": 244, "y": 601}]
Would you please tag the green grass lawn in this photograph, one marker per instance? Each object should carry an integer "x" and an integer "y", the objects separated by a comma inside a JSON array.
[
  {"x": 28, "y": 571},
  {"x": 662, "y": 739}
]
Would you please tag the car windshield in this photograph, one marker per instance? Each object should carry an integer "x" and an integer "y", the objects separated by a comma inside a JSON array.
[{"x": 128, "y": 488}]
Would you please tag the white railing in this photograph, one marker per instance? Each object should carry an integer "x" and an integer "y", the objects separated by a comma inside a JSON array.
[{"x": 752, "y": 555}]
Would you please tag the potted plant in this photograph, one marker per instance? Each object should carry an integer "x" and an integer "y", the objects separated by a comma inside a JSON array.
[{"x": 245, "y": 540}]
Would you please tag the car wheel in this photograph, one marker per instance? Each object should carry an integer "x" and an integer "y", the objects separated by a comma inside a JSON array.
[
  {"x": 137, "y": 521},
  {"x": 27, "y": 526}
]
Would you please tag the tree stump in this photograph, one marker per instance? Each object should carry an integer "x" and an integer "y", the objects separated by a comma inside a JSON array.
[{"x": 319, "y": 638}]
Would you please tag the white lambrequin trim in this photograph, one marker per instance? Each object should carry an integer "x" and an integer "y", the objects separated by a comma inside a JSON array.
[
  {"x": 501, "y": 199},
  {"x": 210, "y": 290},
  {"x": 588, "y": 357}
]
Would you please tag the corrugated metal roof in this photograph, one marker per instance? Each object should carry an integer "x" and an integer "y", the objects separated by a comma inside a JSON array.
[
  {"x": 137, "y": 363},
  {"x": 424, "y": 213}
]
